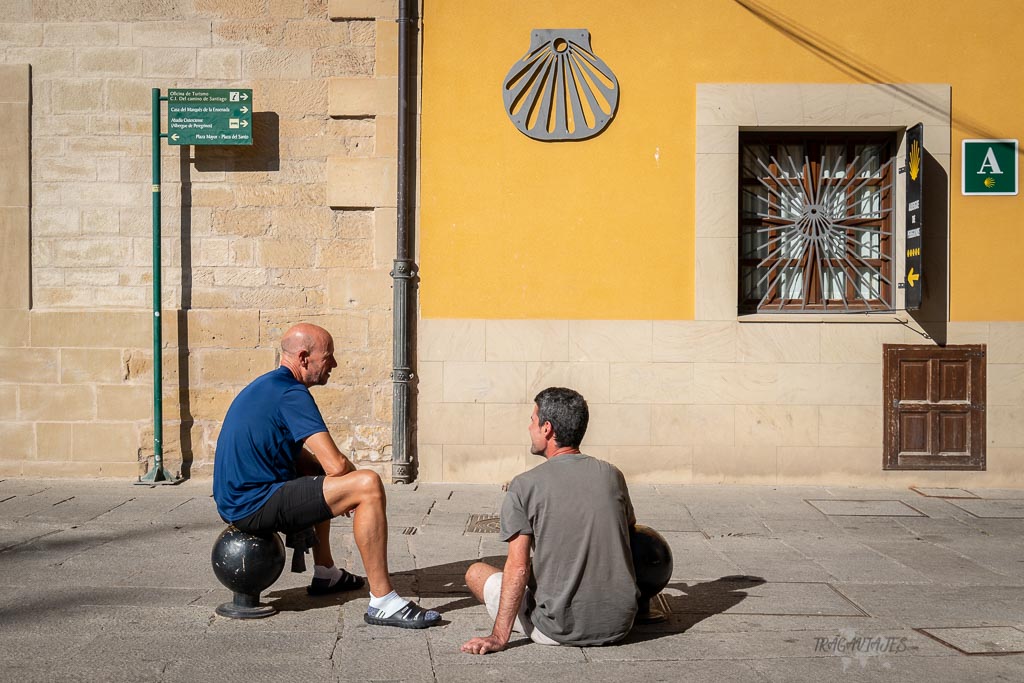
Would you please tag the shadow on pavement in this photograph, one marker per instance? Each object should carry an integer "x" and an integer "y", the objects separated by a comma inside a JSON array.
[
  {"x": 438, "y": 581},
  {"x": 701, "y": 600}
]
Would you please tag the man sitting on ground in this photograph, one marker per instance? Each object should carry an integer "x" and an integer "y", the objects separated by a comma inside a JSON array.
[
  {"x": 574, "y": 512},
  {"x": 278, "y": 469}
]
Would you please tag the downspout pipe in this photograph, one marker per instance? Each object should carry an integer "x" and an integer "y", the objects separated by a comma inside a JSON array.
[{"x": 404, "y": 270}]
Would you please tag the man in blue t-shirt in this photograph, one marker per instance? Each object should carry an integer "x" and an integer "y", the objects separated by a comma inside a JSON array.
[{"x": 278, "y": 469}]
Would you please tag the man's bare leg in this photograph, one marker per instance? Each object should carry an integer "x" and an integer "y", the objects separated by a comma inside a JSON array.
[
  {"x": 362, "y": 493},
  {"x": 476, "y": 577},
  {"x": 322, "y": 550}
]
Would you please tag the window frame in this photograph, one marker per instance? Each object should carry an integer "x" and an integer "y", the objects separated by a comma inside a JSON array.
[{"x": 853, "y": 266}]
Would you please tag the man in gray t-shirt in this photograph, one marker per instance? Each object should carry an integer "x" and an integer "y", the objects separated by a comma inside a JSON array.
[{"x": 574, "y": 514}]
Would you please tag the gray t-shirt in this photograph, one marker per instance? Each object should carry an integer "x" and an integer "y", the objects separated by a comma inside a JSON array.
[{"x": 577, "y": 509}]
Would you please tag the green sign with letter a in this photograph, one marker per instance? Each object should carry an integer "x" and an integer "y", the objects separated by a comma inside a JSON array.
[{"x": 989, "y": 167}]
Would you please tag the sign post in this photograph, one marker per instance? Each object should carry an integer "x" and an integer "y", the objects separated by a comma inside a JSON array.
[
  {"x": 989, "y": 167},
  {"x": 913, "y": 285},
  {"x": 194, "y": 117}
]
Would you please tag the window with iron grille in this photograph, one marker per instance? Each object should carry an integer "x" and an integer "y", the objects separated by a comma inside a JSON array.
[{"x": 816, "y": 222}]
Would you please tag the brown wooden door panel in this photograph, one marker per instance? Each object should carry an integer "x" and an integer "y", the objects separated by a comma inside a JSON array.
[
  {"x": 952, "y": 384},
  {"x": 934, "y": 407},
  {"x": 915, "y": 432},
  {"x": 914, "y": 378},
  {"x": 952, "y": 429}
]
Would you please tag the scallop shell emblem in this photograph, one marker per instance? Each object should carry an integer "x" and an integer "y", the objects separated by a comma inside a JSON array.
[{"x": 560, "y": 90}]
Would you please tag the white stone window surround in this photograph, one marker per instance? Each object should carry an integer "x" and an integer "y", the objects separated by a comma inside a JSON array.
[{"x": 724, "y": 109}]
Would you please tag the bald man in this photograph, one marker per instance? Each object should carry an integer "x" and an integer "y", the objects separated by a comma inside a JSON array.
[{"x": 278, "y": 469}]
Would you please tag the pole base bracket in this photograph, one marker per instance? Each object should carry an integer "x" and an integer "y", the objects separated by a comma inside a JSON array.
[{"x": 158, "y": 475}]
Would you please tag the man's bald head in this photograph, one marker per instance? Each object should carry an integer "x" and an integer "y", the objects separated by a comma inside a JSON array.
[
  {"x": 308, "y": 351},
  {"x": 303, "y": 337}
]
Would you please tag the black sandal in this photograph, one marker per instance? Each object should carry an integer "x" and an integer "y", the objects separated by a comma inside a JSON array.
[
  {"x": 347, "y": 582},
  {"x": 410, "y": 616}
]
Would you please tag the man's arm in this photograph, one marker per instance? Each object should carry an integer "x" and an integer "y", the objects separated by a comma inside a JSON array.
[
  {"x": 326, "y": 452},
  {"x": 513, "y": 587}
]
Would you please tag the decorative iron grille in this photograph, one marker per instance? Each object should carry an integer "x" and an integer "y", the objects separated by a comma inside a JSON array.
[{"x": 816, "y": 229}]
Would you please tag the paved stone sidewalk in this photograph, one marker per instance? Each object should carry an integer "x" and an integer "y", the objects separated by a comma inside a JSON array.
[{"x": 105, "y": 581}]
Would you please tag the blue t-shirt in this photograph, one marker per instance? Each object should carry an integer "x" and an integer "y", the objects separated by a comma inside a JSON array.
[{"x": 260, "y": 440}]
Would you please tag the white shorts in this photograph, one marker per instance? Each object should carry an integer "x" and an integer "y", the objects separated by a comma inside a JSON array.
[{"x": 492, "y": 596}]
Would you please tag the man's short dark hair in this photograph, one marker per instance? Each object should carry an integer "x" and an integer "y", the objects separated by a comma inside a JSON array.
[{"x": 567, "y": 412}]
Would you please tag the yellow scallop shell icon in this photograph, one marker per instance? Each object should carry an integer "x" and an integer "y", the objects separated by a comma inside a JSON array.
[
  {"x": 914, "y": 161},
  {"x": 990, "y": 182}
]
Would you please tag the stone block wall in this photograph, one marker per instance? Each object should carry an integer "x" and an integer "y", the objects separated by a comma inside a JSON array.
[
  {"x": 300, "y": 226},
  {"x": 701, "y": 402}
]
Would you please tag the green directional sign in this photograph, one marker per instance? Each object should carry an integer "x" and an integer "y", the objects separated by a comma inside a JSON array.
[
  {"x": 989, "y": 167},
  {"x": 220, "y": 116}
]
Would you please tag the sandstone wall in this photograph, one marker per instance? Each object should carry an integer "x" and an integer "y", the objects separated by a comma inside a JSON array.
[{"x": 298, "y": 227}]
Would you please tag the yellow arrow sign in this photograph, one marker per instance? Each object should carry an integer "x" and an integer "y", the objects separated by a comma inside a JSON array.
[{"x": 913, "y": 277}]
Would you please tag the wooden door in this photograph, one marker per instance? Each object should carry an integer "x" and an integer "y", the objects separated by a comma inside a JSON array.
[{"x": 934, "y": 407}]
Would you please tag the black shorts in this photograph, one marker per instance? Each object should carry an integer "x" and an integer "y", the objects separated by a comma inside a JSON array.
[{"x": 297, "y": 505}]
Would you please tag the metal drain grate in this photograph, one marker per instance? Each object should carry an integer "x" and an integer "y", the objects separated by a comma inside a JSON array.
[
  {"x": 483, "y": 524},
  {"x": 409, "y": 531}
]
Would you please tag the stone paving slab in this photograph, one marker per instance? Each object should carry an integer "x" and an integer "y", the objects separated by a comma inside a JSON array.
[
  {"x": 740, "y": 596},
  {"x": 871, "y": 668},
  {"x": 664, "y": 524},
  {"x": 943, "y": 493},
  {"x": 18, "y": 533},
  {"x": 987, "y": 640},
  {"x": 588, "y": 672},
  {"x": 283, "y": 669},
  {"x": 849, "y": 561},
  {"x": 998, "y": 494},
  {"x": 694, "y": 556},
  {"x": 938, "y": 605},
  {"x": 866, "y": 508},
  {"x": 770, "y": 558},
  {"x": 737, "y": 624},
  {"x": 753, "y": 645},
  {"x": 871, "y": 527},
  {"x": 941, "y": 565},
  {"x": 936, "y": 508},
  {"x": 1002, "y": 509}
]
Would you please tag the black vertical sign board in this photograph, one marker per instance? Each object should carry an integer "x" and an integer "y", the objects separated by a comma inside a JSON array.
[{"x": 912, "y": 283}]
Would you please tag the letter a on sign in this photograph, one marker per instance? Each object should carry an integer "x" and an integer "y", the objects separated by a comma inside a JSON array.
[
  {"x": 989, "y": 167},
  {"x": 990, "y": 164}
]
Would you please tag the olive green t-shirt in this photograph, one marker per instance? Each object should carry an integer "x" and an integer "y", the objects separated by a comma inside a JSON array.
[{"x": 577, "y": 509}]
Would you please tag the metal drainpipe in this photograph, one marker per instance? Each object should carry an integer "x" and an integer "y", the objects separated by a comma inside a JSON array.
[{"x": 404, "y": 270}]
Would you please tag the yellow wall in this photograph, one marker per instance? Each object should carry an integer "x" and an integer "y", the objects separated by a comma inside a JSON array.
[{"x": 604, "y": 228}]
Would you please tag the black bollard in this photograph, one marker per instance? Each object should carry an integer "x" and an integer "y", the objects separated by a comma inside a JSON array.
[
  {"x": 247, "y": 565},
  {"x": 652, "y": 563}
]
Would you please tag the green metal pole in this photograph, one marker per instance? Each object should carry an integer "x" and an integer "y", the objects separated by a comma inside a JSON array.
[
  {"x": 158, "y": 402},
  {"x": 157, "y": 474}
]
